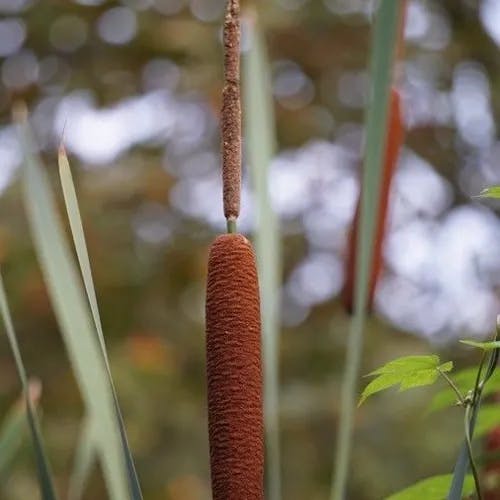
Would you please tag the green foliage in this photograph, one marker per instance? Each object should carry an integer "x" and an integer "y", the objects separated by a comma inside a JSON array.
[
  {"x": 260, "y": 135},
  {"x": 432, "y": 488},
  {"x": 464, "y": 380},
  {"x": 42, "y": 463},
  {"x": 488, "y": 419},
  {"x": 72, "y": 311},
  {"x": 384, "y": 40},
  {"x": 490, "y": 192},
  {"x": 407, "y": 372},
  {"x": 78, "y": 235},
  {"x": 485, "y": 346}
]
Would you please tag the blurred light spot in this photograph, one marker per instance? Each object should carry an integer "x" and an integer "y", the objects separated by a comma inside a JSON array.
[
  {"x": 352, "y": 89},
  {"x": 12, "y": 36},
  {"x": 100, "y": 135},
  {"x": 160, "y": 74},
  {"x": 117, "y": 26},
  {"x": 68, "y": 33},
  {"x": 14, "y": 6},
  {"x": 418, "y": 189},
  {"x": 20, "y": 70},
  {"x": 152, "y": 224},
  {"x": 291, "y": 86},
  {"x": 90, "y": 2},
  {"x": 349, "y": 7},
  {"x": 471, "y": 100},
  {"x": 489, "y": 13},
  {"x": 149, "y": 353},
  {"x": 417, "y": 21},
  {"x": 169, "y": 7},
  {"x": 316, "y": 279},
  {"x": 207, "y": 10},
  {"x": 10, "y": 153}
]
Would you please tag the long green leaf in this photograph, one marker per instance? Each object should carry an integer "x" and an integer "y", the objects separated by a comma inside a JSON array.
[
  {"x": 15, "y": 428},
  {"x": 84, "y": 458},
  {"x": 72, "y": 313},
  {"x": 384, "y": 42},
  {"x": 78, "y": 235},
  {"x": 42, "y": 463},
  {"x": 260, "y": 148}
]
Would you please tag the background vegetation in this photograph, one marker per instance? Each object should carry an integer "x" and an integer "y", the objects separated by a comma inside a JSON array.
[{"x": 136, "y": 87}]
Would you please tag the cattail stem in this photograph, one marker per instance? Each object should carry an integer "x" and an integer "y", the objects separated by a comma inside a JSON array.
[
  {"x": 231, "y": 113},
  {"x": 235, "y": 413},
  {"x": 232, "y": 226}
]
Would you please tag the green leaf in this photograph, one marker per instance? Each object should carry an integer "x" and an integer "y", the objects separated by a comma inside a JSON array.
[
  {"x": 407, "y": 372},
  {"x": 384, "y": 41},
  {"x": 78, "y": 235},
  {"x": 490, "y": 192},
  {"x": 485, "y": 346},
  {"x": 432, "y": 488},
  {"x": 488, "y": 419},
  {"x": 42, "y": 463},
  {"x": 84, "y": 458},
  {"x": 72, "y": 312},
  {"x": 14, "y": 430},
  {"x": 260, "y": 141}
]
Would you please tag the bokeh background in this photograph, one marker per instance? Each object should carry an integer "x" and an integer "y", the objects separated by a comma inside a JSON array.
[{"x": 134, "y": 86}]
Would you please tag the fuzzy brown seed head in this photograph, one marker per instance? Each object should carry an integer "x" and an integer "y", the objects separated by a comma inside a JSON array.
[
  {"x": 234, "y": 371},
  {"x": 231, "y": 113}
]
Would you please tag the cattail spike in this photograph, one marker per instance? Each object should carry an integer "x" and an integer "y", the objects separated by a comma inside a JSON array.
[
  {"x": 231, "y": 113},
  {"x": 394, "y": 140},
  {"x": 234, "y": 371}
]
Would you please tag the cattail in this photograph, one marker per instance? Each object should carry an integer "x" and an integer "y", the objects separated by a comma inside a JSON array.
[
  {"x": 234, "y": 371},
  {"x": 394, "y": 142},
  {"x": 231, "y": 114}
]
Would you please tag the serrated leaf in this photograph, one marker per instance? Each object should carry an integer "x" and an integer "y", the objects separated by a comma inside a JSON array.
[
  {"x": 407, "y": 363},
  {"x": 407, "y": 372},
  {"x": 485, "y": 346},
  {"x": 432, "y": 488},
  {"x": 490, "y": 192}
]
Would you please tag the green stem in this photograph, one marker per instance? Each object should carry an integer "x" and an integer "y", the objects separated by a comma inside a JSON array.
[
  {"x": 348, "y": 406},
  {"x": 475, "y": 474},
  {"x": 453, "y": 386},
  {"x": 232, "y": 227}
]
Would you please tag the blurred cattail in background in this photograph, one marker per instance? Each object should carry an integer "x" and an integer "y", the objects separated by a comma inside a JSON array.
[{"x": 394, "y": 141}]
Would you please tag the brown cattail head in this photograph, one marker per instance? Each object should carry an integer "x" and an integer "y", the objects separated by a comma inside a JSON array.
[
  {"x": 394, "y": 141},
  {"x": 234, "y": 372},
  {"x": 231, "y": 113}
]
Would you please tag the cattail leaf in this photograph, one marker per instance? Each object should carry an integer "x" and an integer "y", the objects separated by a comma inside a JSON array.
[
  {"x": 80, "y": 244},
  {"x": 432, "y": 488},
  {"x": 43, "y": 467},
  {"x": 72, "y": 312},
  {"x": 388, "y": 19},
  {"x": 260, "y": 145},
  {"x": 14, "y": 429},
  {"x": 85, "y": 458},
  {"x": 490, "y": 192},
  {"x": 407, "y": 372}
]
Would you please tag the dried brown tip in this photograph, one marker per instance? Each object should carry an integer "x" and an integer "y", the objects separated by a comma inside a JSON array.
[
  {"x": 234, "y": 371},
  {"x": 231, "y": 113}
]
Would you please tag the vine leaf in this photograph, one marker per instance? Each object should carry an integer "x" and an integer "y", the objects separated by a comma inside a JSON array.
[
  {"x": 485, "y": 346},
  {"x": 432, "y": 488},
  {"x": 407, "y": 372},
  {"x": 490, "y": 192}
]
